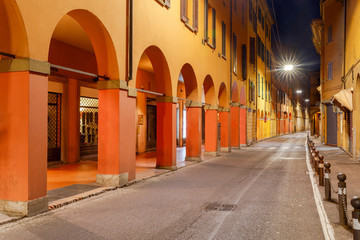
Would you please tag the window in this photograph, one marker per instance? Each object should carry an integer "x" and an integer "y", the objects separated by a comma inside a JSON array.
[
  {"x": 164, "y": 2},
  {"x": 329, "y": 34},
  {"x": 234, "y": 53},
  {"x": 210, "y": 36},
  {"x": 252, "y": 50},
  {"x": 223, "y": 31},
  {"x": 259, "y": 14},
  {"x": 243, "y": 14},
  {"x": 235, "y": 5},
  {"x": 262, "y": 87},
  {"x": 330, "y": 70},
  {"x": 243, "y": 61},
  {"x": 189, "y": 13},
  {"x": 266, "y": 31},
  {"x": 266, "y": 90},
  {"x": 267, "y": 58},
  {"x": 258, "y": 84}
]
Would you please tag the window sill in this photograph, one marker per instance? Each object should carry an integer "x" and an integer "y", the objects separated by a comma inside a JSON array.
[
  {"x": 162, "y": 2},
  {"x": 189, "y": 27},
  {"x": 210, "y": 45},
  {"x": 224, "y": 57}
]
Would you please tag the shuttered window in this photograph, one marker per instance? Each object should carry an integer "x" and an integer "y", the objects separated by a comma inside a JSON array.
[
  {"x": 223, "y": 31},
  {"x": 243, "y": 61},
  {"x": 234, "y": 53},
  {"x": 189, "y": 13},
  {"x": 252, "y": 50}
]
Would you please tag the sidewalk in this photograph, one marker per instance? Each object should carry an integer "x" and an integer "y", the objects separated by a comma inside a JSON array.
[{"x": 340, "y": 162}]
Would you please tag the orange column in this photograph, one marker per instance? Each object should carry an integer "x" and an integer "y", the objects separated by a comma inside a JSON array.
[
  {"x": 224, "y": 121},
  {"x": 235, "y": 126},
  {"x": 211, "y": 135},
  {"x": 243, "y": 126},
  {"x": 72, "y": 136},
  {"x": 193, "y": 132},
  {"x": 117, "y": 137},
  {"x": 23, "y": 142},
  {"x": 166, "y": 133}
]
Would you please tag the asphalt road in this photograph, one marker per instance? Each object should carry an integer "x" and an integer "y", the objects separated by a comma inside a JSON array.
[{"x": 258, "y": 192}]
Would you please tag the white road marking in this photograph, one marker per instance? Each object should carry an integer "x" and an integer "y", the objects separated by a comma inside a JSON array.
[{"x": 326, "y": 226}]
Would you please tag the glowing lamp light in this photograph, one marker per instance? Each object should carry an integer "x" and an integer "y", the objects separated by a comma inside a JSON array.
[
  {"x": 298, "y": 91},
  {"x": 307, "y": 100},
  {"x": 288, "y": 67}
]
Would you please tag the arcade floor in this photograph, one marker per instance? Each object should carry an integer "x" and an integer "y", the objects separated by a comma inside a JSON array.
[{"x": 84, "y": 172}]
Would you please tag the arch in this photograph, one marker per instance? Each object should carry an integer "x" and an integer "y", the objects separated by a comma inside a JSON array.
[
  {"x": 235, "y": 93},
  {"x": 14, "y": 38},
  {"x": 262, "y": 114},
  {"x": 187, "y": 76},
  {"x": 223, "y": 96},
  {"x": 154, "y": 64},
  {"x": 78, "y": 25},
  {"x": 209, "y": 90}
]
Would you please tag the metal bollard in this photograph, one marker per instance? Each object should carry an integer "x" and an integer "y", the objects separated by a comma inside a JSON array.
[
  {"x": 313, "y": 155},
  {"x": 321, "y": 170},
  {"x": 316, "y": 164},
  {"x": 327, "y": 181},
  {"x": 342, "y": 199},
  {"x": 355, "y": 202}
]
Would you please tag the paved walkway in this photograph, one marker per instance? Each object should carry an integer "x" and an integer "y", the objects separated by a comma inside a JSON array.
[
  {"x": 259, "y": 192},
  {"x": 340, "y": 162}
]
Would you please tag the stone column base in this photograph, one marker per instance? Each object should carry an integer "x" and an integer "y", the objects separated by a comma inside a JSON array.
[
  {"x": 29, "y": 208},
  {"x": 225, "y": 149},
  {"x": 112, "y": 180},
  {"x": 193, "y": 159},
  {"x": 214, "y": 154},
  {"x": 172, "y": 168},
  {"x": 235, "y": 148},
  {"x": 243, "y": 145}
]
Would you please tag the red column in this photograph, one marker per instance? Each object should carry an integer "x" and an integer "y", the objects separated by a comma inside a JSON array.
[
  {"x": 211, "y": 136},
  {"x": 235, "y": 126},
  {"x": 166, "y": 133},
  {"x": 117, "y": 139},
  {"x": 72, "y": 136},
  {"x": 243, "y": 126},
  {"x": 23, "y": 142},
  {"x": 224, "y": 120},
  {"x": 193, "y": 132}
]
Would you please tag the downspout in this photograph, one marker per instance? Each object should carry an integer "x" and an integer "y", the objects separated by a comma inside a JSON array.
[
  {"x": 231, "y": 65},
  {"x": 130, "y": 42},
  {"x": 256, "y": 73},
  {"x": 344, "y": 68}
]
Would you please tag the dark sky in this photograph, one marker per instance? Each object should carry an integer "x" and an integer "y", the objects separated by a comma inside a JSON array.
[{"x": 294, "y": 18}]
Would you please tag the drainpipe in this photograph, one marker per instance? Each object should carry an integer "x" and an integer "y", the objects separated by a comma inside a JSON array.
[
  {"x": 130, "y": 39},
  {"x": 344, "y": 68},
  {"x": 231, "y": 65}
]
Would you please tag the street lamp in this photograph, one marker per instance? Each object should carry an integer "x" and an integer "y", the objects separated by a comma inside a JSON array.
[
  {"x": 288, "y": 67},
  {"x": 306, "y": 100},
  {"x": 298, "y": 91}
]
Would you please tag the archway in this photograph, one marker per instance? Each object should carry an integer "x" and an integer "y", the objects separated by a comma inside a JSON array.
[
  {"x": 235, "y": 117},
  {"x": 189, "y": 116},
  {"x": 156, "y": 136},
  {"x": 81, "y": 118},
  {"x": 224, "y": 118},
  {"x": 210, "y": 125}
]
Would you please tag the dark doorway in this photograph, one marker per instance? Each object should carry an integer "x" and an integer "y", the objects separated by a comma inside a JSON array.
[
  {"x": 203, "y": 124},
  {"x": 151, "y": 128},
  {"x": 54, "y": 127},
  {"x": 331, "y": 126}
]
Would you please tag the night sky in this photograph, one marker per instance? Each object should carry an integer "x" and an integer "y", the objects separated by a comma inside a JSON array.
[{"x": 294, "y": 18}]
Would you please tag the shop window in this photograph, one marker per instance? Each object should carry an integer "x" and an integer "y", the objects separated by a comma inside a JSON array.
[
  {"x": 89, "y": 118},
  {"x": 189, "y": 14}
]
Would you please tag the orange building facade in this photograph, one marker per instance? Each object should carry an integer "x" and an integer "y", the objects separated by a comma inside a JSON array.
[{"x": 123, "y": 78}]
